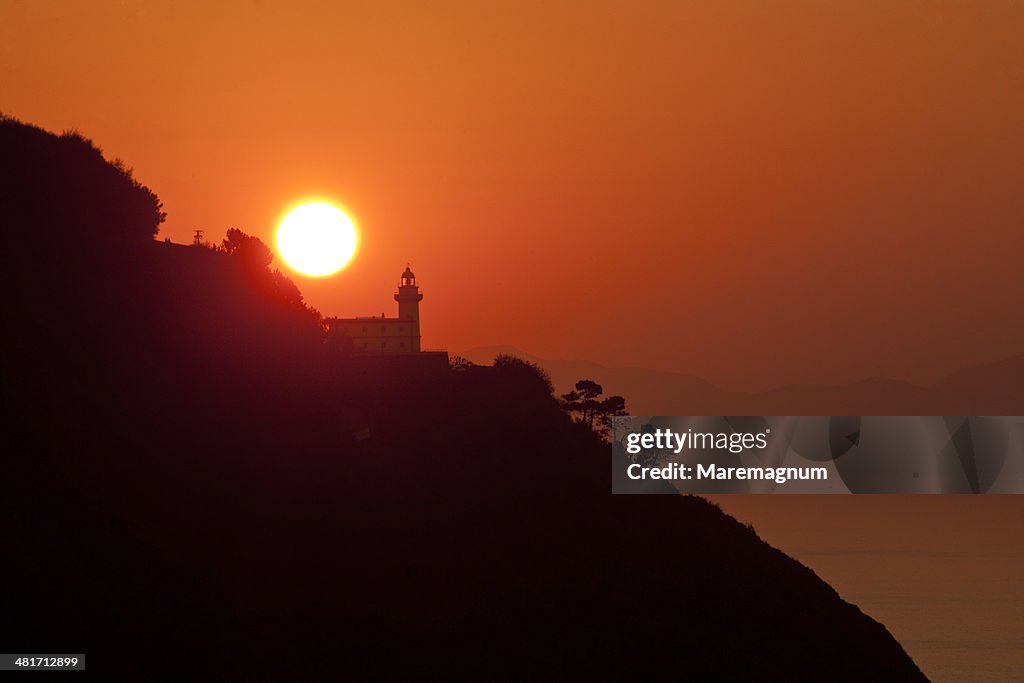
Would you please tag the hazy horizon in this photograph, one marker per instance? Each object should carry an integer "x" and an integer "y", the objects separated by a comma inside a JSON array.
[{"x": 483, "y": 354}]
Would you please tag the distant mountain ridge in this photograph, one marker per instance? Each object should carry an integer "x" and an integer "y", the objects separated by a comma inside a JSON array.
[{"x": 987, "y": 389}]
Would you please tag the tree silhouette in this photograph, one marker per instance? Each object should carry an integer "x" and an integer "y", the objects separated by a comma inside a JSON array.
[
  {"x": 583, "y": 400},
  {"x": 48, "y": 178},
  {"x": 592, "y": 410},
  {"x": 255, "y": 258},
  {"x": 460, "y": 364},
  {"x": 520, "y": 372},
  {"x": 251, "y": 250},
  {"x": 610, "y": 407}
]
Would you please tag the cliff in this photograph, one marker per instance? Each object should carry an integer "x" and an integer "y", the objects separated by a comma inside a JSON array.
[{"x": 197, "y": 484}]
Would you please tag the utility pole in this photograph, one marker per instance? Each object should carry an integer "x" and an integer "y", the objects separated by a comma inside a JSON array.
[{"x": 198, "y": 240}]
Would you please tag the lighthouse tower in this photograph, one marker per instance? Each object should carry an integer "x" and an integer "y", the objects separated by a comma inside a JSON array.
[{"x": 409, "y": 298}]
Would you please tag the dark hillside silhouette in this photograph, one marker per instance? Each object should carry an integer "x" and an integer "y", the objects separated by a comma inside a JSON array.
[{"x": 197, "y": 486}]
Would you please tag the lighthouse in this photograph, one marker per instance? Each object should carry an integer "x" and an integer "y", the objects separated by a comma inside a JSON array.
[
  {"x": 408, "y": 296},
  {"x": 384, "y": 335}
]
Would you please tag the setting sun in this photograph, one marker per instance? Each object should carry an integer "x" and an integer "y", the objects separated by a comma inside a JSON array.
[{"x": 316, "y": 239}]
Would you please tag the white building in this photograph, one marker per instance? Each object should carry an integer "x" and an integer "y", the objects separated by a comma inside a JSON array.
[{"x": 377, "y": 335}]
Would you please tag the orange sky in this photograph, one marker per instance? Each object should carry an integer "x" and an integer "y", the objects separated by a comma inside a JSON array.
[{"x": 757, "y": 193}]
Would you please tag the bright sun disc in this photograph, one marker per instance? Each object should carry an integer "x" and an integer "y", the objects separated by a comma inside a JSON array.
[{"x": 316, "y": 239}]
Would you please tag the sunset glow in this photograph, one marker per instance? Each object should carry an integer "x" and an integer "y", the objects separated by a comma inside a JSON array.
[
  {"x": 350, "y": 338},
  {"x": 316, "y": 239}
]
